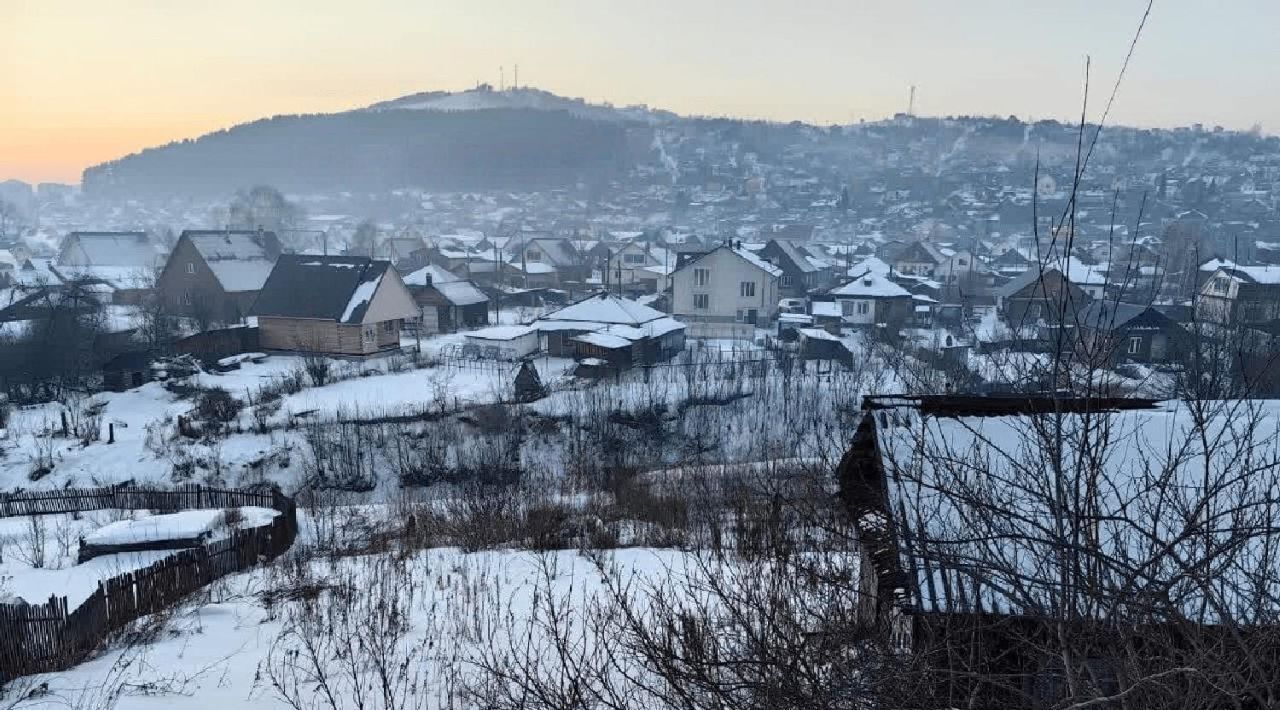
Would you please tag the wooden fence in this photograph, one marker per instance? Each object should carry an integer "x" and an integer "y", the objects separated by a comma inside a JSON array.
[
  {"x": 80, "y": 500},
  {"x": 43, "y": 638}
]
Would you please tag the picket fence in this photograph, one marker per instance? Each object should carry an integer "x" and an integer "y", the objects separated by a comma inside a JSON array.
[{"x": 43, "y": 638}]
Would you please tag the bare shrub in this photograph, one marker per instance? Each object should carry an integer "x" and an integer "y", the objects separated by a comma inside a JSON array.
[
  {"x": 32, "y": 545},
  {"x": 217, "y": 406},
  {"x": 318, "y": 368}
]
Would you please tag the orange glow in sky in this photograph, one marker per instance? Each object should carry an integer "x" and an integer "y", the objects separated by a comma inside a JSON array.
[{"x": 83, "y": 81}]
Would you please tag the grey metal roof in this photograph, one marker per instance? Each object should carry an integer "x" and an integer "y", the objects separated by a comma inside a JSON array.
[{"x": 322, "y": 287}]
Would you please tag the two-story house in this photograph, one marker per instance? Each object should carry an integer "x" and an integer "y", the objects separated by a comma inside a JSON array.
[
  {"x": 918, "y": 259},
  {"x": 726, "y": 292},
  {"x": 1240, "y": 295},
  {"x": 801, "y": 273},
  {"x": 639, "y": 268},
  {"x": 214, "y": 276}
]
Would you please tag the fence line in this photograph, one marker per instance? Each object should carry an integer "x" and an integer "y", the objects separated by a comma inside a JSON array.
[
  {"x": 81, "y": 500},
  {"x": 44, "y": 638}
]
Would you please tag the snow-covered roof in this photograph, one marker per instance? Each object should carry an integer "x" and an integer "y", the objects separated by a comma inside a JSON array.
[
  {"x": 501, "y": 332},
  {"x": 606, "y": 308},
  {"x": 816, "y": 334},
  {"x": 429, "y": 274},
  {"x": 603, "y": 340},
  {"x": 239, "y": 276},
  {"x": 756, "y": 261},
  {"x": 871, "y": 286},
  {"x": 870, "y": 264},
  {"x": 974, "y": 522},
  {"x": 111, "y": 249},
  {"x": 461, "y": 293},
  {"x": 229, "y": 244},
  {"x": 825, "y": 308}
]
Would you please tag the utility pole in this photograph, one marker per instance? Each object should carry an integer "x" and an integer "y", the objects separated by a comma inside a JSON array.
[{"x": 911, "y": 102}]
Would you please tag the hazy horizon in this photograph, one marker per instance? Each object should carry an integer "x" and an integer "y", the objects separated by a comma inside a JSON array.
[{"x": 88, "y": 84}]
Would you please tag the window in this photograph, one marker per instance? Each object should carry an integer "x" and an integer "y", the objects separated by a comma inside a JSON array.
[
  {"x": 633, "y": 258},
  {"x": 701, "y": 277},
  {"x": 740, "y": 316},
  {"x": 786, "y": 280},
  {"x": 186, "y": 298},
  {"x": 701, "y": 301},
  {"x": 1219, "y": 285},
  {"x": 963, "y": 261},
  {"x": 1033, "y": 311},
  {"x": 864, "y": 307},
  {"x": 370, "y": 333},
  {"x": 388, "y": 326},
  {"x": 532, "y": 255},
  {"x": 747, "y": 289},
  {"x": 191, "y": 267},
  {"x": 1135, "y": 345}
]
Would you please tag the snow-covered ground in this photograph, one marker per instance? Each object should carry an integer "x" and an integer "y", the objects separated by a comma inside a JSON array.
[{"x": 460, "y": 607}]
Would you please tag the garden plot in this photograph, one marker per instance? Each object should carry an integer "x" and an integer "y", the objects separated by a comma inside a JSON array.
[
  {"x": 40, "y": 552},
  {"x": 186, "y": 525}
]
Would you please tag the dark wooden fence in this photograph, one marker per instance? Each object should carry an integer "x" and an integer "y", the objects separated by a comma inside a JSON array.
[
  {"x": 43, "y": 638},
  {"x": 80, "y": 500}
]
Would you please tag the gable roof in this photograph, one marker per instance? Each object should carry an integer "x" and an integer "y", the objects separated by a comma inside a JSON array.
[
  {"x": 461, "y": 293},
  {"x": 1023, "y": 280},
  {"x": 745, "y": 255},
  {"x": 558, "y": 252},
  {"x": 1108, "y": 315},
  {"x": 112, "y": 248},
  {"x": 430, "y": 275},
  {"x": 606, "y": 308},
  {"x": 800, "y": 260},
  {"x": 871, "y": 285},
  {"x": 337, "y": 288},
  {"x": 241, "y": 260}
]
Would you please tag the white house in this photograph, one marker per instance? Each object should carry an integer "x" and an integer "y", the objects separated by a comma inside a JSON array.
[{"x": 725, "y": 293}]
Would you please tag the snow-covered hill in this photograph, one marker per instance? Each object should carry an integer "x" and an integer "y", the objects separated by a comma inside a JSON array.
[{"x": 486, "y": 97}]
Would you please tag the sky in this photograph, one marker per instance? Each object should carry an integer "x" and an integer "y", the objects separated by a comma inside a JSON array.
[{"x": 83, "y": 81}]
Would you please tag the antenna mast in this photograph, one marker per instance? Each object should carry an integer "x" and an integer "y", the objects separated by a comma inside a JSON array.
[
  {"x": 515, "y": 83},
  {"x": 911, "y": 102},
  {"x": 502, "y": 78}
]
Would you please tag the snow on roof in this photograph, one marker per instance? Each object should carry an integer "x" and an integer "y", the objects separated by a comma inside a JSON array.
[
  {"x": 951, "y": 474},
  {"x": 606, "y": 308},
  {"x": 1257, "y": 274},
  {"x": 825, "y": 308},
  {"x": 756, "y": 261},
  {"x": 114, "y": 248},
  {"x": 871, "y": 286},
  {"x": 603, "y": 340},
  {"x": 240, "y": 276},
  {"x": 816, "y": 334},
  {"x": 461, "y": 293},
  {"x": 501, "y": 332},
  {"x": 429, "y": 274},
  {"x": 229, "y": 245},
  {"x": 537, "y": 267},
  {"x": 871, "y": 264},
  {"x": 361, "y": 296}
]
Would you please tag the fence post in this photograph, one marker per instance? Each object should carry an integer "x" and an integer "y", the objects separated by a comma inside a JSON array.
[{"x": 198, "y": 497}]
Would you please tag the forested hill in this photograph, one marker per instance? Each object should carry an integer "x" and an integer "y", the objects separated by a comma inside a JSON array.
[{"x": 375, "y": 150}]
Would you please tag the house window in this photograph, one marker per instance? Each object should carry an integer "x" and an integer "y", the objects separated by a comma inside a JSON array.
[
  {"x": 740, "y": 315},
  {"x": 533, "y": 255},
  {"x": 747, "y": 289},
  {"x": 633, "y": 258},
  {"x": 864, "y": 307},
  {"x": 1219, "y": 285},
  {"x": 1135, "y": 345},
  {"x": 370, "y": 333},
  {"x": 701, "y": 301},
  {"x": 388, "y": 326},
  {"x": 191, "y": 267},
  {"x": 701, "y": 277},
  {"x": 786, "y": 280},
  {"x": 1033, "y": 311},
  {"x": 186, "y": 298},
  {"x": 963, "y": 262}
]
